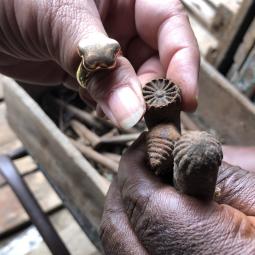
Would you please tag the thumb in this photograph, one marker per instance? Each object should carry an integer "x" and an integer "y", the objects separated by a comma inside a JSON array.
[{"x": 118, "y": 92}]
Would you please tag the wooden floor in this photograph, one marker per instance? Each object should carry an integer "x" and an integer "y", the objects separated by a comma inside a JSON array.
[{"x": 17, "y": 235}]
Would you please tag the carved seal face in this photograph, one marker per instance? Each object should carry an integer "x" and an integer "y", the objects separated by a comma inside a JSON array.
[
  {"x": 98, "y": 52},
  {"x": 161, "y": 92}
]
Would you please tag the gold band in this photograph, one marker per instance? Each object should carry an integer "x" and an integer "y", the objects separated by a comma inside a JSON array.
[{"x": 82, "y": 76}]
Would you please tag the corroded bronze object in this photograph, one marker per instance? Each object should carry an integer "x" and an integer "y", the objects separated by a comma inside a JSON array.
[
  {"x": 162, "y": 117},
  {"x": 163, "y": 103},
  {"x": 194, "y": 157},
  {"x": 160, "y": 145},
  {"x": 197, "y": 157}
]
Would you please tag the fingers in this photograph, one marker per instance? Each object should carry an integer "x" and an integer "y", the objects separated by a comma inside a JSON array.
[
  {"x": 116, "y": 234},
  {"x": 150, "y": 69},
  {"x": 236, "y": 185},
  {"x": 138, "y": 52},
  {"x": 169, "y": 31},
  {"x": 167, "y": 222},
  {"x": 56, "y": 29},
  {"x": 65, "y": 25},
  {"x": 237, "y": 188},
  {"x": 119, "y": 94},
  {"x": 45, "y": 31}
]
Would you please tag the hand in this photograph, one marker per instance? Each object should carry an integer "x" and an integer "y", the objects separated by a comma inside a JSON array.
[
  {"x": 240, "y": 156},
  {"x": 143, "y": 215},
  {"x": 39, "y": 39}
]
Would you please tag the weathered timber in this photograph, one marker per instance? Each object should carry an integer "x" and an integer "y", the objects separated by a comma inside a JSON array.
[
  {"x": 75, "y": 180},
  {"x": 8, "y": 139},
  {"x": 1, "y": 93},
  {"x": 207, "y": 43},
  {"x": 90, "y": 153},
  {"x": 231, "y": 32},
  {"x": 85, "y": 133},
  {"x": 232, "y": 5},
  {"x": 222, "y": 108}
]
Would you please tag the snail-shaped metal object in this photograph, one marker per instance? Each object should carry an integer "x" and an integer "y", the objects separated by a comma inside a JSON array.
[{"x": 194, "y": 157}]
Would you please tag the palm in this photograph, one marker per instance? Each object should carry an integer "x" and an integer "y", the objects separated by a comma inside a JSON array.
[{"x": 158, "y": 220}]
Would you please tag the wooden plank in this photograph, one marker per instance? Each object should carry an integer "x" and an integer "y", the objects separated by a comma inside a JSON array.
[
  {"x": 8, "y": 139},
  {"x": 245, "y": 47},
  {"x": 207, "y": 43},
  {"x": 214, "y": 18},
  {"x": 222, "y": 108},
  {"x": 24, "y": 165},
  {"x": 245, "y": 82},
  {"x": 232, "y": 5},
  {"x": 221, "y": 21},
  {"x": 242, "y": 53},
  {"x": 231, "y": 31},
  {"x": 80, "y": 185},
  {"x": 29, "y": 241},
  {"x": 203, "y": 12},
  {"x": 12, "y": 213},
  {"x": 1, "y": 93}
]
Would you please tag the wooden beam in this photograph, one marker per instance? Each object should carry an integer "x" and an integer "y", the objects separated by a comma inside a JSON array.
[
  {"x": 242, "y": 53},
  {"x": 223, "y": 109},
  {"x": 75, "y": 180},
  {"x": 203, "y": 11},
  {"x": 8, "y": 139},
  {"x": 231, "y": 31},
  {"x": 232, "y": 5},
  {"x": 207, "y": 43},
  {"x": 1, "y": 93},
  {"x": 215, "y": 19}
]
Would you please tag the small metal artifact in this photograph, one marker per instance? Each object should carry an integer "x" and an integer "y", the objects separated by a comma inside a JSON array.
[
  {"x": 162, "y": 117},
  {"x": 190, "y": 160},
  {"x": 197, "y": 157}
]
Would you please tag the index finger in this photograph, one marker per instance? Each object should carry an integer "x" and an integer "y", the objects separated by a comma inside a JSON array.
[{"x": 169, "y": 32}]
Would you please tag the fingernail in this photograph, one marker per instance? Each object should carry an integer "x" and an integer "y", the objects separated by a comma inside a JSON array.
[{"x": 123, "y": 107}]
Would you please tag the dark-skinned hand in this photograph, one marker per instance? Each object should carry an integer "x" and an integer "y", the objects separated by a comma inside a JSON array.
[
  {"x": 143, "y": 215},
  {"x": 39, "y": 39}
]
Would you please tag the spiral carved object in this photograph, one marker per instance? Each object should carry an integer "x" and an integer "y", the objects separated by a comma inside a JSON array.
[
  {"x": 162, "y": 117},
  {"x": 197, "y": 157},
  {"x": 163, "y": 103},
  {"x": 160, "y": 145}
]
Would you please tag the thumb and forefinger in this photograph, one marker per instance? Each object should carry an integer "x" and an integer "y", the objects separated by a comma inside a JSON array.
[
  {"x": 159, "y": 215},
  {"x": 117, "y": 92},
  {"x": 236, "y": 185}
]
